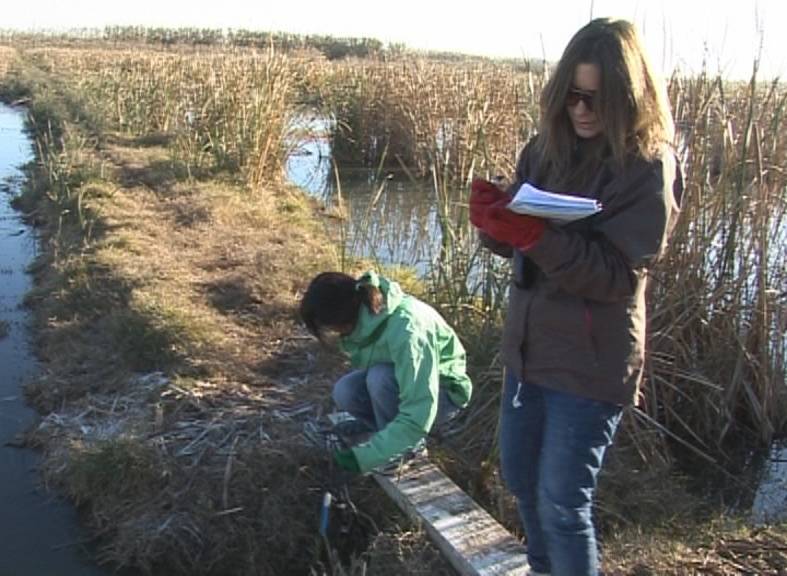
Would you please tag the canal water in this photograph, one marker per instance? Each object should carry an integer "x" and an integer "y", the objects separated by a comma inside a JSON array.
[{"x": 39, "y": 534}]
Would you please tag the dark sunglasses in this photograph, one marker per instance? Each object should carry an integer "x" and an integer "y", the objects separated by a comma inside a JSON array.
[{"x": 576, "y": 96}]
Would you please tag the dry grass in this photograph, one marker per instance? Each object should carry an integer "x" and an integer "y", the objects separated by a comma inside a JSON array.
[
  {"x": 446, "y": 121},
  {"x": 161, "y": 260},
  {"x": 714, "y": 548},
  {"x": 7, "y": 56},
  {"x": 224, "y": 110},
  {"x": 204, "y": 470}
]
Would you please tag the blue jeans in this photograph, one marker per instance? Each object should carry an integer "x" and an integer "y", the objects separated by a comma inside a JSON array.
[
  {"x": 552, "y": 445},
  {"x": 372, "y": 396}
]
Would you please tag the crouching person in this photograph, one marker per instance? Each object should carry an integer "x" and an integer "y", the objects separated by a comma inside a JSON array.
[{"x": 409, "y": 365}]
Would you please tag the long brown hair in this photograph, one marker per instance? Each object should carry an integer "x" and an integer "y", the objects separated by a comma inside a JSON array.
[{"x": 631, "y": 103}]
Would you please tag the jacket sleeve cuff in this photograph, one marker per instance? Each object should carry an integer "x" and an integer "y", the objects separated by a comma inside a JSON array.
[
  {"x": 500, "y": 248},
  {"x": 536, "y": 247}
]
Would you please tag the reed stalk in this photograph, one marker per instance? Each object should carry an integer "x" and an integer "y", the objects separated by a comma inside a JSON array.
[{"x": 715, "y": 375}]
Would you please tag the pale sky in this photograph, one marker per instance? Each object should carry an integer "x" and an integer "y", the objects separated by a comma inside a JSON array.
[{"x": 677, "y": 32}]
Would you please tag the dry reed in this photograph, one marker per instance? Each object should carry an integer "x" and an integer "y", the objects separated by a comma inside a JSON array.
[{"x": 715, "y": 380}]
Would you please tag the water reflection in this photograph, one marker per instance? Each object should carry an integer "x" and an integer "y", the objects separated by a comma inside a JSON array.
[{"x": 391, "y": 218}]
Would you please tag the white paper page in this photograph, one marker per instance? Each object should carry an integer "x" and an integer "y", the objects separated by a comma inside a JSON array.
[{"x": 562, "y": 207}]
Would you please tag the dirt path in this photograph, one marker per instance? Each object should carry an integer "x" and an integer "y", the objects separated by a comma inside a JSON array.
[
  {"x": 177, "y": 377},
  {"x": 176, "y": 382}
]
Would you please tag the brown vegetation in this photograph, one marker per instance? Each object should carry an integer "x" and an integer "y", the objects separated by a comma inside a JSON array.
[{"x": 177, "y": 381}]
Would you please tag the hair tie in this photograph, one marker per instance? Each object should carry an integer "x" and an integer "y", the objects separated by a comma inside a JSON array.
[{"x": 358, "y": 286}]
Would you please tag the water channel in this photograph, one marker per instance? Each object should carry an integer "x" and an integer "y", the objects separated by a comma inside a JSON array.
[
  {"x": 393, "y": 221},
  {"x": 39, "y": 533}
]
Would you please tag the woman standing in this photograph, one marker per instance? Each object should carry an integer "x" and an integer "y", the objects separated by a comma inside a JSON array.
[{"x": 574, "y": 336}]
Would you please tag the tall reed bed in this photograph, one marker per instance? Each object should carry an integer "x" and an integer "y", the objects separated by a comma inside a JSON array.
[
  {"x": 716, "y": 376},
  {"x": 719, "y": 318},
  {"x": 716, "y": 372},
  {"x": 443, "y": 123},
  {"x": 227, "y": 110},
  {"x": 458, "y": 119},
  {"x": 7, "y": 57}
]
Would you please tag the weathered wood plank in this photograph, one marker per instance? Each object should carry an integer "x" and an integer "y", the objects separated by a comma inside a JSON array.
[
  {"x": 467, "y": 535},
  {"x": 470, "y": 539}
]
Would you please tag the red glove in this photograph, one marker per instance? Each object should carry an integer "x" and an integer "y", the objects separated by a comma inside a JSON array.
[
  {"x": 518, "y": 230},
  {"x": 483, "y": 195}
]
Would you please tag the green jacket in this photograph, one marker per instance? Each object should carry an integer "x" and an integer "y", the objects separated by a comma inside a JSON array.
[{"x": 426, "y": 354}]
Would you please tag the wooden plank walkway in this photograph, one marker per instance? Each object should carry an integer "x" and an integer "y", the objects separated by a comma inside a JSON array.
[{"x": 470, "y": 539}]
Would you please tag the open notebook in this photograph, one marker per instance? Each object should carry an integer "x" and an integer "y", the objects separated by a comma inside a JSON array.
[{"x": 561, "y": 207}]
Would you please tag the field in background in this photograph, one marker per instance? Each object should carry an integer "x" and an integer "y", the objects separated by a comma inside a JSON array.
[{"x": 226, "y": 113}]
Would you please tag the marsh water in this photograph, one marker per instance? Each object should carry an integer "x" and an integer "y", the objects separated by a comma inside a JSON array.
[
  {"x": 391, "y": 218},
  {"x": 39, "y": 534}
]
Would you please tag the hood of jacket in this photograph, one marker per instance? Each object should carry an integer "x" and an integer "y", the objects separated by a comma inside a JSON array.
[{"x": 369, "y": 326}]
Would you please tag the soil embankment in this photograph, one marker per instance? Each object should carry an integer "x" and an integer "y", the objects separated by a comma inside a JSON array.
[{"x": 177, "y": 379}]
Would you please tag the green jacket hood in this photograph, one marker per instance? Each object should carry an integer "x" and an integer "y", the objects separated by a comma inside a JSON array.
[{"x": 369, "y": 325}]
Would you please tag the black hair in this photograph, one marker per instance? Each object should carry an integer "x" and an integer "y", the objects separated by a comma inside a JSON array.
[{"x": 334, "y": 299}]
